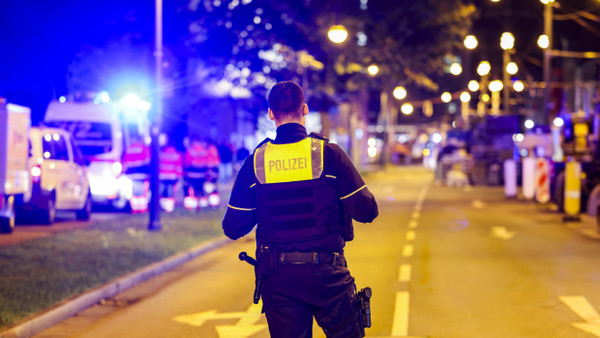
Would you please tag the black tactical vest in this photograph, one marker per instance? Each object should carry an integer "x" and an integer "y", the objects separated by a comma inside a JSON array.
[{"x": 293, "y": 200}]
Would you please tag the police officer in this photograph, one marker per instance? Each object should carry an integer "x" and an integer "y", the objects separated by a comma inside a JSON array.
[{"x": 302, "y": 191}]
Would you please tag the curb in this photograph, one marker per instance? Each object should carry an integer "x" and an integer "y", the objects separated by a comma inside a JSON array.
[{"x": 79, "y": 303}]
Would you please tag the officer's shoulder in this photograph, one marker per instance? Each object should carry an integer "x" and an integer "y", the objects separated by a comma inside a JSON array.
[
  {"x": 318, "y": 136},
  {"x": 263, "y": 142}
]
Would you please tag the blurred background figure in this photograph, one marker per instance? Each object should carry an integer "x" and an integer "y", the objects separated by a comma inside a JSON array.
[
  {"x": 136, "y": 165},
  {"x": 226, "y": 167},
  {"x": 211, "y": 196},
  {"x": 240, "y": 156},
  {"x": 195, "y": 164},
  {"x": 170, "y": 172}
]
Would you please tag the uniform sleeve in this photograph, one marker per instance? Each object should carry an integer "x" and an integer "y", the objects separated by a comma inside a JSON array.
[
  {"x": 353, "y": 192},
  {"x": 240, "y": 216}
]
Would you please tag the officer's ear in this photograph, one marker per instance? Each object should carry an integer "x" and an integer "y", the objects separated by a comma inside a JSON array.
[
  {"x": 271, "y": 115},
  {"x": 304, "y": 109}
]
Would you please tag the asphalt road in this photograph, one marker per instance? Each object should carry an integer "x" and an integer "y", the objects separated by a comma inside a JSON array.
[{"x": 442, "y": 262}]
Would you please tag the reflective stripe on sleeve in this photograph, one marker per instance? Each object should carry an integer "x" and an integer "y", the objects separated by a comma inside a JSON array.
[
  {"x": 354, "y": 192},
  {"x": 242, "y": 209},
  {"x": 330, "y": 176}
]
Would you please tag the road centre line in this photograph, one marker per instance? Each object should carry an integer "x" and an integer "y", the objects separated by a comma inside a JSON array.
[
  {"x": 415, "y": 214},
  {"x": 400, "y": 320},
  {"x": 404, "y": 272},
  {"x": 413, "y": 224},
  {"x": 407, "y": 250},
  {"x": 411, "y": 235}
]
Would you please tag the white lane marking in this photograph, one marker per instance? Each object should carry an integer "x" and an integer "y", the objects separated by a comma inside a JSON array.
[
  {"x": 415, "y": 214},
  {"x": 502, "y": 233},
  {"x": 407, "y": 250},
  {"x": 418, "y": 207},
  {"x": 411, "y": 235},
  {"x": 405, "y": 272},
  {"x": 585, "y": 311},
  {"x": 413, "y": 224},
  {"x": 400, "y": 320}
]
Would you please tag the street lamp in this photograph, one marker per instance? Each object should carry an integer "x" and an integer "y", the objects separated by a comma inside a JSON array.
[
  {"x": 373, "y": 70},
  {"x": 512, "y": 68},
  {"x": 446, "y": 97},
  {"x": 337, "y": 34},
  {"x": 495, "y": 87},
  {"x": 473, "y": 85},
  {"x": 484, "y": 68},
  {"x": 406, "y": 109},
  {"x": 470, "y": 42},
  {"x": 399, "y": 93},
  {"x": 507, "y": 42},
  {"x": 455, "y": 69},
  {"x": 543, "y": 41}
]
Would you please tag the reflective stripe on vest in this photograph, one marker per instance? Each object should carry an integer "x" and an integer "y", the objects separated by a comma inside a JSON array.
[{"x": 291, "y": 162}]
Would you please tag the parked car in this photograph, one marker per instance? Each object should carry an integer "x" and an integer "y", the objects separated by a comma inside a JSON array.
[{"x": 58, "y": 177}]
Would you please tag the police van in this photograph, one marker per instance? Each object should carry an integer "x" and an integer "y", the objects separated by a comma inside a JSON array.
[{"x": 103, "y": 131}]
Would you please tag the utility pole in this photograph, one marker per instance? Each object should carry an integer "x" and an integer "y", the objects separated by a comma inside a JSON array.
[
  {"x": 547, "y": 59},
  {"x": 154, "y": 224}
]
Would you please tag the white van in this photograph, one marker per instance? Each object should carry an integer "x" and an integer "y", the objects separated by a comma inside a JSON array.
[
  {"x": 103, "y": 132},
  {"x": 58, "y": 177}
]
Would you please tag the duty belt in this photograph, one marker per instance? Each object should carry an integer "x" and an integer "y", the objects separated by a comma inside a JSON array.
[{"x": 295, "y": 257}]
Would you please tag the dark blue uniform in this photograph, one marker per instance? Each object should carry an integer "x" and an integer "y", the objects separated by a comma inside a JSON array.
[{"x": 300, "y": 287}]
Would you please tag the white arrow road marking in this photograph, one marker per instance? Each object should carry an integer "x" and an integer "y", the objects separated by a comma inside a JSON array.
[
  {"x": 583, "y": 309},
  {"x": 245, "y": 326},
  {"x": 502, "y": 233}
]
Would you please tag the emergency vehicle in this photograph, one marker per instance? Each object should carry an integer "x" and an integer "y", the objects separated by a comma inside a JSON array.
[
  {"x": 14, "y": 176},
  {"x": 104, "y": 131}
]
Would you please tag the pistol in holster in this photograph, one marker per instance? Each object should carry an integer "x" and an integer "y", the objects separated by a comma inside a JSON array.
[{"x": 363, "y": 304}]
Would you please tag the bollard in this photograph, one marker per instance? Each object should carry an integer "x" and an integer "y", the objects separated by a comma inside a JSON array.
[
  {"x": 572, "y": 191},
  {"x": 510, "y": 178},
  {"x": 528, "y": 178},
  {"x": 542, "y": 180}
]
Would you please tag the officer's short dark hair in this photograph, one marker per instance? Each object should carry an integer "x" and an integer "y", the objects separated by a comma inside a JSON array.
[{"x": 286, "y": 98}]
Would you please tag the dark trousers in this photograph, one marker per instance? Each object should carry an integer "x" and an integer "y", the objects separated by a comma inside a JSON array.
[{"x": 294, "y": 293}]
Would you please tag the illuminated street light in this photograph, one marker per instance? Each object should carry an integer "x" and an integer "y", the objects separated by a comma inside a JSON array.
[
  {"x": 545, "y": 2},
  {"x": 473, "y": 85},
  {"x": 518, "y": 86},
  {"x": 465, "y": 97},
  {"x": 373, "y": 70},
  {"x": 406, "y": 109},
  {"x": 485, "y": 98},
  {"x": 529, "y": 124},
  {"x": 496, "y": 86},
  {"x": 399, "y": 92},
  {"x": 484, "y": 68},
  {"x": 558, "y": 122},
  {"x": 543, "y": 41},
  {"x": 455, "y": 69},
  {"x": 337, "y": 33},
  {"x": 512, "y": 68},
  {"x": 446, "y": 97},
  {"x": 470, "y": 41},
  {"x": 507, "y": 41}
]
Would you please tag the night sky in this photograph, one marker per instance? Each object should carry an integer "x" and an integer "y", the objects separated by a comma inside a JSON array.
[{"x": 40, "y": 39}]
